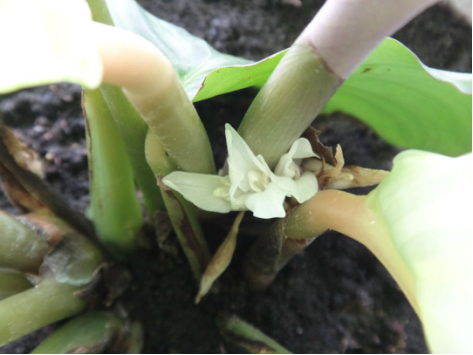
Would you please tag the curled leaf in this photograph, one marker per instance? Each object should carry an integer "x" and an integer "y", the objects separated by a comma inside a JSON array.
[
  {"x": 318, "y": 147},
  {"x": 220, "y": 260}
]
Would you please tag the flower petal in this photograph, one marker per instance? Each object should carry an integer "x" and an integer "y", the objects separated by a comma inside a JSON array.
[
  {"x": 300, "y": 149},
  {"x": 199, "y": 189},
  {"x": 302, "y": 189},
  {"x": 241, "y": 159},
  {"x": 267, "y": 204}
]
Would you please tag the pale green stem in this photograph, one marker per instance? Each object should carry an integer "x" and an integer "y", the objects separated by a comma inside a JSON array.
[
  {"x": 293, "y": 96},
  {"x": 100, "y": 11},
  {"x": 130, "y": 125},
  {"x": 270, "y": 253},
  {"x": 337, "y": 40},
  {"x": 350, "y": 215},
  {"x": 115, "y": 207},
  {"x": 248, "y": 337},
  {"x": 152, "y": 85},
  {"x": 12, "y": 282},
  {"x": 33, "y": 309},
  {"x": 92, "y": 332},
  {"x": 133, "y": 130},
  {"x": 182, "y": 213},
  {"x": 21, "y": 248}
]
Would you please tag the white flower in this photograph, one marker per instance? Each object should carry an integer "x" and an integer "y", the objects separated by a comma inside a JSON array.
[{"x": 250, "y": 185}]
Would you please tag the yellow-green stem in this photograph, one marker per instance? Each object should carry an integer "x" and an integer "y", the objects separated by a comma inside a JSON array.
[
  {"x": 293, "y": 96},
  {"x": 116, "y": 211},
  {"x": 130, "y": 125},
  {"x": 33, "y": 309},
  {"x": 100, "y": 11},
  {"x": 152, "y": 85},
  {"x": 91, "y": 332},
  {"x": 182, "y": 213},
  {"x": 21, "y": 248},
  {"x": 133, "y": 130},
  {"x": 12, "y": 282},
  {"x": 349, "y": 214}
]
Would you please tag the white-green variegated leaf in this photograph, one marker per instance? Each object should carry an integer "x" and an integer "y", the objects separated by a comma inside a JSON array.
[
  {"x": 47, "y": 41},
  {"x": 425, "y": 204}
]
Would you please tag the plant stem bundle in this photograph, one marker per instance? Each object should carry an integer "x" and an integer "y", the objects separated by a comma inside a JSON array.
[
  {"x": 21, "y": 248},
  {"x": 33, "y": 309},
  {"x": 115, "y": 207}
]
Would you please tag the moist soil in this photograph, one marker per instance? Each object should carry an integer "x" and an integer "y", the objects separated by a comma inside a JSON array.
[{"x": 333, "y": 298}]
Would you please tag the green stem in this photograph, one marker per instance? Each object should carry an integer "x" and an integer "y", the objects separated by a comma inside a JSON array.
[
  {"x": 21, "y": 248},
  {"x": 152, "y": 85},
  {"x": 133, "y": 130},
  {"x": 93, "y": 332},
  {"x": 174, "y": 120},
  {"x": 248, "y": 337},
  {"x": 293, "y": 96},
  {"x": 350, "y": 215},
  {"x": 270, "y": 253},
  {"x": 115, "y": 207},
  {"x": 100, "y": 11},
  {"x": 181, "y": 212},
  {"x": 33, "y": 309},
  {"x": 130, "y": 125},
  {"x": 12, "y": 282}
]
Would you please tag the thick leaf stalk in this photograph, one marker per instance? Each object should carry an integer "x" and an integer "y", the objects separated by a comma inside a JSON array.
[
  {"x": 321, "y": 58},
  {"x": 154, "y": 89},
  {"x": 93, "y": 332},
  {"x": 33, "y": 309},
  {"x": 181, "y": 212},
  {"x": 12, "y": 282},
  {"x": 130, "y": 125},
  {"x": 67, "y": 282},
  {"x": 271, "y": 252},
  {"x": 133, "y": 130},
  {"x": 116, "y": 211},
  {"x": 295, "y": 93},
  {"x": 21, "y": 248}
]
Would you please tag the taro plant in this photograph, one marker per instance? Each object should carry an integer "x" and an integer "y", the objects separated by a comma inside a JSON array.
[{"x": 140, "y": 77}]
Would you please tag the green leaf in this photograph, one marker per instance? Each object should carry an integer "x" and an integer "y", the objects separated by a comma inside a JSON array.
[
  {"x": 237, "y": 77},
  {"x": 404, "y": 101},
  {"x": 424, "y": 206},
  {"x": 407, "y": 103},
  {"x": 192, "y": 57}
]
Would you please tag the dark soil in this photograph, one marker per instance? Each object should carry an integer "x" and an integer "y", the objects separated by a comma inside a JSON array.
[{"x": 335, "y": 297}]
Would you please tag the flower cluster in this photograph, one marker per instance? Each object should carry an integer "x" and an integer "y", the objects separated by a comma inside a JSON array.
[{"x": 250, "y": 183}]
